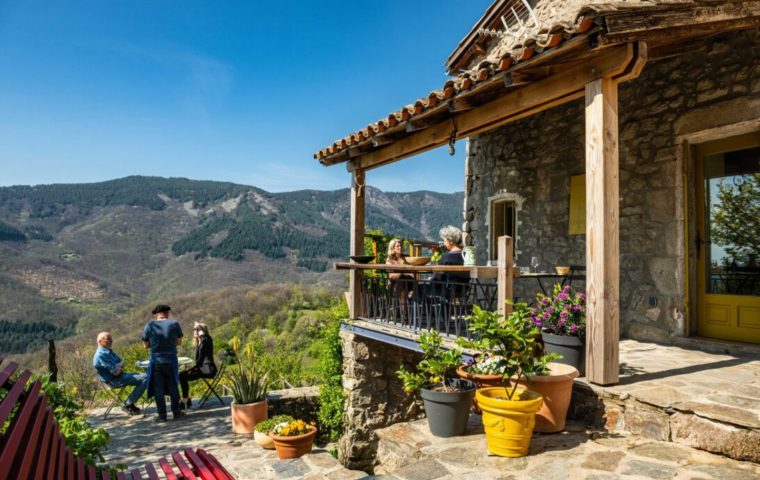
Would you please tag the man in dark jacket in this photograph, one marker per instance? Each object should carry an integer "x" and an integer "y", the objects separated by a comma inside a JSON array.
[{"x": 162, "y": 336}]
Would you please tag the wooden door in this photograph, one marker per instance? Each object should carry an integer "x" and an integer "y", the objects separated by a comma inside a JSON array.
[{"x": 728, "y": 238}]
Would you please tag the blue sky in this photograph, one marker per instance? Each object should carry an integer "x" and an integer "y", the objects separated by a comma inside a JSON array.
[{"x": 236, "y": 91}]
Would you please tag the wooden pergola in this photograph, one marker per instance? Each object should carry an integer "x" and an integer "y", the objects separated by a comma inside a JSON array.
[
  {"x": 590, "y": 63},
  {"x": 595, "y": 77}
]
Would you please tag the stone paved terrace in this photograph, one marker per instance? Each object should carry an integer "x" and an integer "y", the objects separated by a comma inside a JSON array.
[
  {"x": 672, "y": 393},
  {"x": 670, "y": 400}
]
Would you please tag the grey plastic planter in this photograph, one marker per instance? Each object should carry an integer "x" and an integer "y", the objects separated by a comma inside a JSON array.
[
  {"x": 448, "y": 412},
  {"x": 572, "y": 349}
]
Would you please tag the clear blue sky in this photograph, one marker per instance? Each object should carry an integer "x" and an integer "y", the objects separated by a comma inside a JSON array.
[{"x": 241, "y": 91}]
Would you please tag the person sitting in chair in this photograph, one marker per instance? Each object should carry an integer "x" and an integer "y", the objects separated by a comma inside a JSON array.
[
  {"x": 110, "y": 368},
  {"x": 204, "y": 361}
]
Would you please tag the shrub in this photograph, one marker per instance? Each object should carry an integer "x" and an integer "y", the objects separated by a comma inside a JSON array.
[{"x": 331, "y": 364}]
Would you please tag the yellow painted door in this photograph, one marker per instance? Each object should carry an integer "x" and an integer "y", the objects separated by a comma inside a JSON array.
[{"x": 728, "y": 238}]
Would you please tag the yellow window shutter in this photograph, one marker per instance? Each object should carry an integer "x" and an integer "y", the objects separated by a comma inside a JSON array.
[{"x": 577, "y": 205}]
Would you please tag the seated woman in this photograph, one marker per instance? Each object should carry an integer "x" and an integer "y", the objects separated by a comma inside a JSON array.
[
  {"x": 401, "y": 283},
  {"x": 452, "y": 242},
  {"x": 204, "y": 361}
]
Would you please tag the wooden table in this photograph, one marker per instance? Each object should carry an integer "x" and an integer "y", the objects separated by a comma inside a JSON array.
[
  {"x": 539, "y": 275},
  {"x": 478, "y": 272}
]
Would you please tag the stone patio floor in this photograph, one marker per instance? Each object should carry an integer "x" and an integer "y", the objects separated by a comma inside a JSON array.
[{"x": 721, "y": 388}]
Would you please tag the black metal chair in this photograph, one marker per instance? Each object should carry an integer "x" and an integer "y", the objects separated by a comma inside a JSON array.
[
  {"x": 214, "y": 382},
  {"x": 577, "y": 272}
]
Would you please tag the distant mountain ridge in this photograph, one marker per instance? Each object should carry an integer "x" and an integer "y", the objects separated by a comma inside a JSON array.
[{"x": 76, "y": 255}]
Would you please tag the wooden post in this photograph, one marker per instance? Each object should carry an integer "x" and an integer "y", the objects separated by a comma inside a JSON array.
[
  {"x": 52, "y": 365},
  {"x": 602, "y": 233},
  {"x": 505, "y": 262},
  {"x": 357, "y": 240}
]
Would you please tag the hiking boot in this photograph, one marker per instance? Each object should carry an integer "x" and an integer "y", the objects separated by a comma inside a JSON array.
[
  {"x": 159, "y": 419},
  {"x": 132, "y": 409},
  {"x": 179, "y": 415}
]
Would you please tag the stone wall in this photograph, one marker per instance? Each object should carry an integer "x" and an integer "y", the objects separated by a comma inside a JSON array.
[
  {"x": 375, "y": 397},
  {"x": 715, "y": 85}
]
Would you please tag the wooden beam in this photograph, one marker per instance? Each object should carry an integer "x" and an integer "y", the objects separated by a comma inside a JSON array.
[
  {"x": 544, "y": 94},
  {"x": 505, "y": 278},
  {"x": 356, "y": 246},
  {"x": 602, "y": 232}
]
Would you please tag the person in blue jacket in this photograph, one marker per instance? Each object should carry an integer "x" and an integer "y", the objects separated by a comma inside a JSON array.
[
  {"x": 110, "y": 369},
  {"x": 162, "y": 336}
]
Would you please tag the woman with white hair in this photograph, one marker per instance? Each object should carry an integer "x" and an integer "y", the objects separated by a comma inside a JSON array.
[{"x": 452, "y": 242}]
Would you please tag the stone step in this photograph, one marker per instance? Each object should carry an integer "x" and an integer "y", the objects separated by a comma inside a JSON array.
[{"x": 407, "y": 451}]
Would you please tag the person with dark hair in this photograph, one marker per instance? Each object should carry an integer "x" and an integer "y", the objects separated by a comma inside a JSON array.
[
  {"x": 204, "y": 362},
  {"x": 162, "y": 336}
]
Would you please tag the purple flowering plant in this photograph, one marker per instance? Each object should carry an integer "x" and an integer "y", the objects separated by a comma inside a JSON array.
[{"x": 563, "y": 313}]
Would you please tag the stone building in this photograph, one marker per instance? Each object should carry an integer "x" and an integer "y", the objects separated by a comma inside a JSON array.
[{"x": 623, "y": 137}]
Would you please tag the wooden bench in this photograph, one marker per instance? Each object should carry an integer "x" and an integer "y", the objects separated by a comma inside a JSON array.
[{"x": 32, "y": 446}]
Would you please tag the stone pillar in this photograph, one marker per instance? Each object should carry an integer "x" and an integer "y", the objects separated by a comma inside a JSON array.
[{"x": 375, "y": 397}]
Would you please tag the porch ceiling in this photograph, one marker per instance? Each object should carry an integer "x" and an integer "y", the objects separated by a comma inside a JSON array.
[{"x": 560, "y": 53}]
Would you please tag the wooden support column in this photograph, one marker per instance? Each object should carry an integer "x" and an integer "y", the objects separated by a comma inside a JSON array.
[
  {"x": 356, "y": 246},
  {"x": 505, "y": 278},
  {"x": 602, "y": 232}
]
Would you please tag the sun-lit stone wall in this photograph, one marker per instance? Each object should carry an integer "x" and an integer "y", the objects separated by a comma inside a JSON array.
[{"x": 715, "y": 85}]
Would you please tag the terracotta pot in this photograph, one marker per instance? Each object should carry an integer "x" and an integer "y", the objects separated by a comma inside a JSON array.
[
  {"x": 246, "y": 416},
  {"x": 263, "y": 440},
  {"x": 295, "y": 446},
  {"x": 557, "y": 389},
  {"x": 481, "y": 381}
]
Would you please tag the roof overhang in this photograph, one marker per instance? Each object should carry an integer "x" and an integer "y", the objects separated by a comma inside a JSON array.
[{"x": 537, "y": 77}]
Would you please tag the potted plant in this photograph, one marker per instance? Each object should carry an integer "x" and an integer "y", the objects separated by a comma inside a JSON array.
[
  {"x": 562, "y": 320},
  {"x": 509, "y": 411},
  {"x": 249, "y": 383},
  {"x": 447, "y": 400},
  {"x": 262, "y": 429},
  {"x": 293, "y": 439}
]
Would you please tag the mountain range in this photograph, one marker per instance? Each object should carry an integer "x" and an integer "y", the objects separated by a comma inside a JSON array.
[{"x": 73, "y": 257}]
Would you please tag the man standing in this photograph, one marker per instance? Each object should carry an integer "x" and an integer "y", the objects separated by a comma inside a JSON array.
[
  {"x": 162, "y": 336},
  {"x": 110, "y": 370}
]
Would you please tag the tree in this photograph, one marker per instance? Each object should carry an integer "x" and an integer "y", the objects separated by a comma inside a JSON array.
[{"x": 736, "y": 219}]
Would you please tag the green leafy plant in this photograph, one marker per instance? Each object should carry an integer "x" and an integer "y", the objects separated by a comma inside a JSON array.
[
  {"x": 331, "y": 396},
  {"x": 247, "y": 378},
  {"x": 86, "y": 442},
  {"x": 512, "y": 339},
  {"x": 267, "y": 425},
  {"x": 437, "y": 362}
]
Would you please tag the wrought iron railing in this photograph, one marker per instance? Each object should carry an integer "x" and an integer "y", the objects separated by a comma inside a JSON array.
[{"x": 415, "y": 305}]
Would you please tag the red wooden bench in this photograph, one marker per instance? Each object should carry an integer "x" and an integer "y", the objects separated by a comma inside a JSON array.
[{"x": 32, "y": 446}]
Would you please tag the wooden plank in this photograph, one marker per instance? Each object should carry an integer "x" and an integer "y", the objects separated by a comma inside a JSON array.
[
  {"x": 70, "y": 464},
  {"x": 43, "y": 458},
  {"x": 668, "y": 19},
  {"x": 214, "y": 465},
  {"x": 541, "y": 95},
  {"x": 7, "y": 371},
  {"x": 505, "y": 263},
  {"x": 92, "y": 474},
  {"x": 135, "y": 474},
  {"x": 167, "y": 468},
  {"x": 150, "y": 470},
  {"x": 80, "y": 468},
  {"x": 184, "y": 468},
  {"x": 200, "y": 468},
  {"x": 23, "y": 428},
  {"x": 602, "y": 233},
  {"x": 356, "y": 246}
]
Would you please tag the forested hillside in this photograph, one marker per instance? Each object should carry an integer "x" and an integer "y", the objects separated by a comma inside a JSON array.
[{"x": 74, "y": 257}]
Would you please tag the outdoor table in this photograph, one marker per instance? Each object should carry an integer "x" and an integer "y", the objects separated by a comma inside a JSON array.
[
  {"x": 184, "y": 363},
  {"x": 539, "y": 275}
]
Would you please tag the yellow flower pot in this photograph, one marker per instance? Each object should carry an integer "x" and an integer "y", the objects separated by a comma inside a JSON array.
[{"x": 508, "y": 423}]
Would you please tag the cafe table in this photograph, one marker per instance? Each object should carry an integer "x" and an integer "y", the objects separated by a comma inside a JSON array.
[
  {"x": 184, "y": 363},
  {"x": 539, "y": 276}
]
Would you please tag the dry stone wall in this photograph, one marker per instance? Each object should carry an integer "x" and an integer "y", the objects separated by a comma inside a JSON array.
[
  {"x": 714, "y": 85},
  {"x": 375, "y": 397}
]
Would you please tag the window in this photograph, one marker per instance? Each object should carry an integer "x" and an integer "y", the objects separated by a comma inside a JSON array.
[
  {"x": 577, "y": 222},
  {"x": 503, "y": 222}
]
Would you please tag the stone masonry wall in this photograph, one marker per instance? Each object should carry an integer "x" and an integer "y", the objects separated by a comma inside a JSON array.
[
  {"x": 714, "y": 86},
  {"x": 375, "y": 397}
]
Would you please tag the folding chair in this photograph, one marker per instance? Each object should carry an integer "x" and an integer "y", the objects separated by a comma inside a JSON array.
[
  {"x": 213, "y": 383},
  {"x": 117, "y": 396}
]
